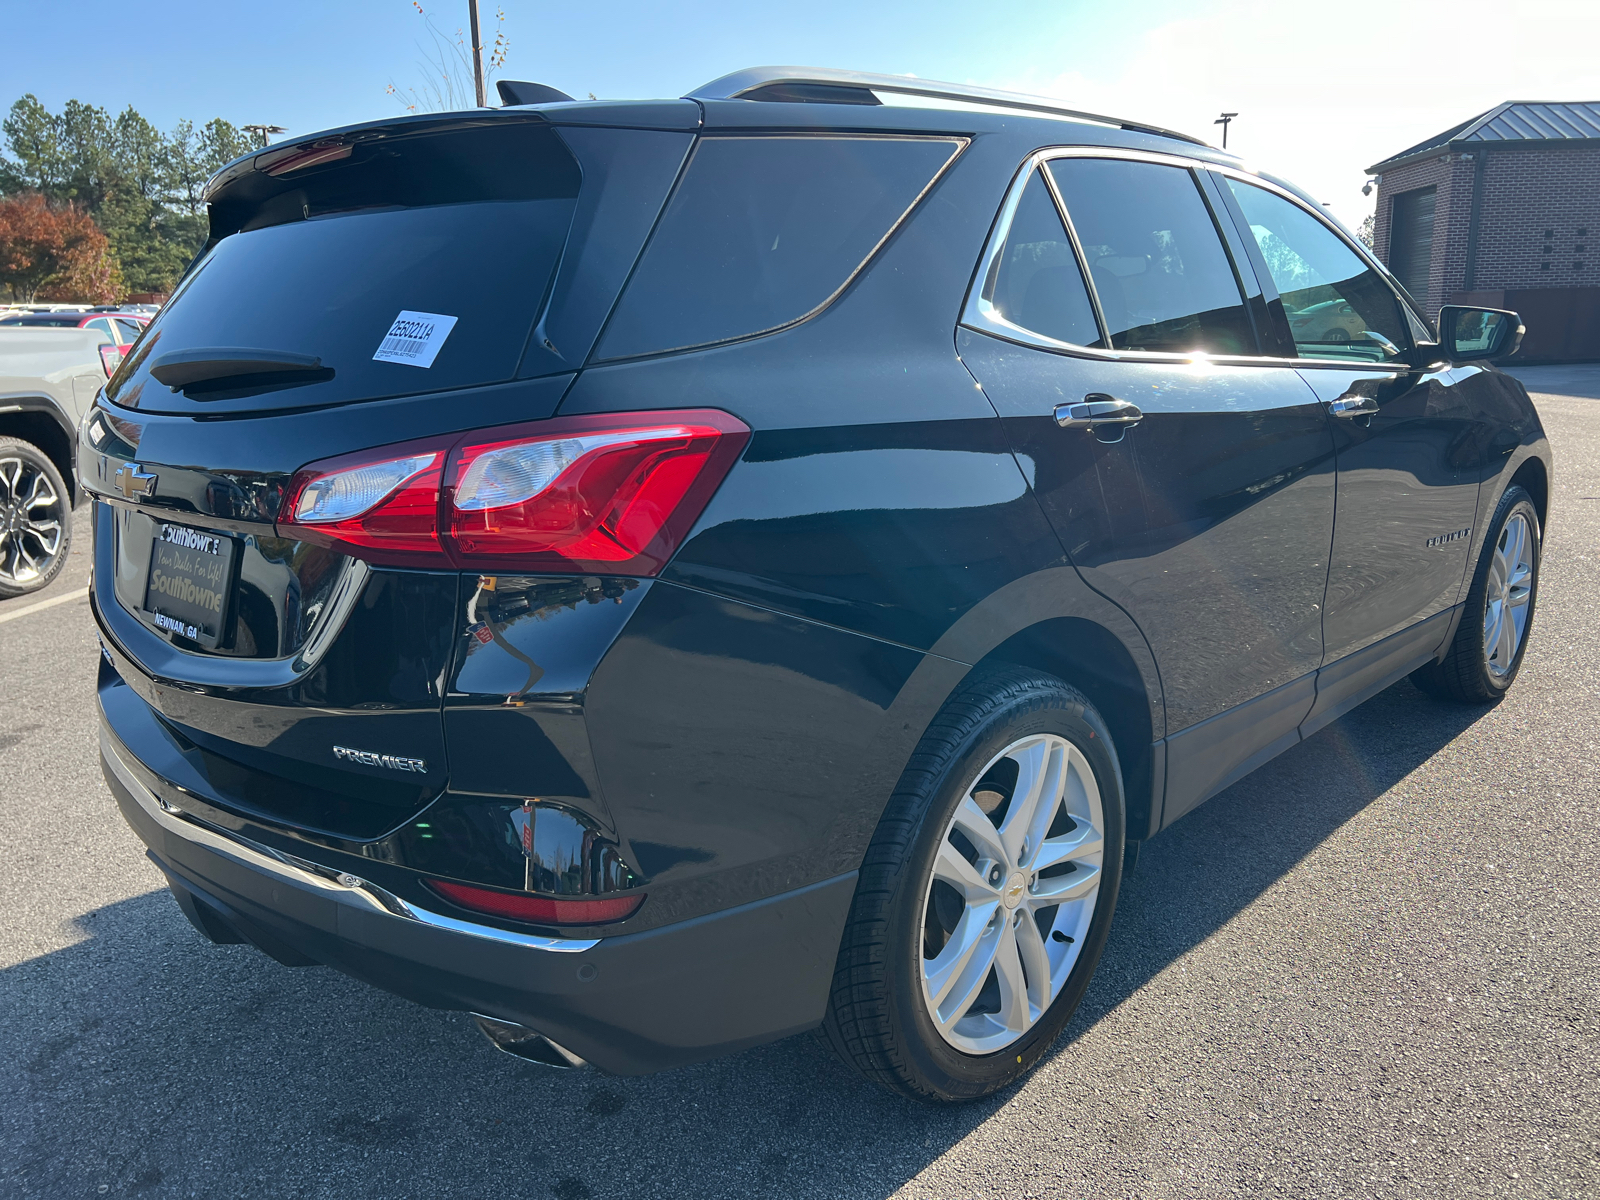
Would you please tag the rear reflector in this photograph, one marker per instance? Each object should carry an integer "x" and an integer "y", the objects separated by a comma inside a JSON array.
[
  {"x": 613, "y": 494},
  {"x": 541, "y": 910}
]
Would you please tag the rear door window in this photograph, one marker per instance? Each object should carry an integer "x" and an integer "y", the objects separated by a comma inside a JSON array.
[
  {"x": 1336, "y": 305},
  {"x": 1037, "y": 284},
  {"x": 466, "y": 224},
  {"x": 1164, "y": 280},
  {"x": 763, "y": 231}
]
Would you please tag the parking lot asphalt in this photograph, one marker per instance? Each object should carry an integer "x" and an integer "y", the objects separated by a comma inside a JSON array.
[{"x": 1372, "y": 968}]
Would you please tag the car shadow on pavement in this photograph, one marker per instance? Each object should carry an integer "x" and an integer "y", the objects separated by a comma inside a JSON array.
[
  {"x": 1197, "y": 875},
  {"x": 140, "y": 1061}
]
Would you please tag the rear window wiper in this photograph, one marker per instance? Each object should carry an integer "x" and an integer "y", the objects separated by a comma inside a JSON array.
[{"x": 208, "y": 367}]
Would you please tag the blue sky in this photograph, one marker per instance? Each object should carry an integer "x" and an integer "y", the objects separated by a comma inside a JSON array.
[{"x": 1323, "y": 89}]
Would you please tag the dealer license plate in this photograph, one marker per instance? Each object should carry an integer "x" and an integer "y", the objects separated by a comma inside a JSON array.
[{"x": 190, "y": 584}]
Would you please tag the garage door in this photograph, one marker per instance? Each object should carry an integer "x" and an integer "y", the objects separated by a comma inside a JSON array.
[{"x": 1411, "y": 240}]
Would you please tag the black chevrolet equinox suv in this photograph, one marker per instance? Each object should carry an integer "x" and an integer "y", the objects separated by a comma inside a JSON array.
[{"x": 665, "y": 576}]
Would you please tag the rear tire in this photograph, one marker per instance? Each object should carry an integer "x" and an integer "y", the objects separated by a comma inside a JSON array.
[
  {"x": 1041, "y": 915},
  {"x": 1485, "y": 655},
  {"x": 35, "y": 519}
]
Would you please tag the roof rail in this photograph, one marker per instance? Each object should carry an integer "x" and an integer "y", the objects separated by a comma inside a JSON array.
[{"x": 814, "y": 83}]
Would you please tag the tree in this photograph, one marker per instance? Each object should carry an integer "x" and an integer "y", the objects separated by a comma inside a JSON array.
[
  {"x": 54, "y": 249},
  {"x": 144, "y": 189},
  {"x": 31, "y": 132},
  {"x": 1367, "y": 232}
]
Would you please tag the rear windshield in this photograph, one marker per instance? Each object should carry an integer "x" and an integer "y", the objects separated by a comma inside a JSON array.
[
  {"x": 765, "y": 230},
  {"x": 409, "y": 264}
]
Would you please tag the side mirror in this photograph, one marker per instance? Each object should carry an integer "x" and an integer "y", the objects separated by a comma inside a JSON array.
[{"x": 1466, "y": 334}]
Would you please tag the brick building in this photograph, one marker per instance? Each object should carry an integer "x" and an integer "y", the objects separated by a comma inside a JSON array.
[{"x": 1504, "y": 211}]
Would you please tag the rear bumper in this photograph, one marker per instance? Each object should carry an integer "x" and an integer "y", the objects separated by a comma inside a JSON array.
[{"x": 630, "y": 1004}]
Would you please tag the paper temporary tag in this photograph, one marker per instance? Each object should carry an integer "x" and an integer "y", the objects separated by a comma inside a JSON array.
[{"x": 415, "y": 338}]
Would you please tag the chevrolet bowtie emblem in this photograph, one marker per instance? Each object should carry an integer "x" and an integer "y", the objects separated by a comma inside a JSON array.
[{"x": 133, "y": 483}]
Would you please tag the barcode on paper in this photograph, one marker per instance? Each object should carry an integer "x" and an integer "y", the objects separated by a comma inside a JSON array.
[{"x": 414, "y": 339}]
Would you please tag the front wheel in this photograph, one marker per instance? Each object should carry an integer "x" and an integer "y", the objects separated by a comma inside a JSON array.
[
  {"x": 986, "y": 894},
  {"x": 35, "y": 519},
  {"x": 1486, "y": 653}
]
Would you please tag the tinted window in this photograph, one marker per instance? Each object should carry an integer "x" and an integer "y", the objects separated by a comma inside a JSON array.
[
  {"x": 1337, "y": 306},
  {"x": 1037, "y": 283},
  {"x": 457, "y": 224},
  {"x": 103, "y": 324},
  {"x": 762, "y": 231},
  {"x": 130, "y": 329},
  {"x": 1163, "y": 278}
]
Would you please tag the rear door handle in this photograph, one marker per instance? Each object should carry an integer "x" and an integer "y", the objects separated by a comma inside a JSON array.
[
  {"x": 1353, "y": 406},
  {"x": 1097, "y": 409}
]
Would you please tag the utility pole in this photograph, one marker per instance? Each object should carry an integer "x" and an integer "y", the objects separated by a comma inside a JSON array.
[
  {"x": 1224, "y": 120},
  {"x": 477, "y": 56}
]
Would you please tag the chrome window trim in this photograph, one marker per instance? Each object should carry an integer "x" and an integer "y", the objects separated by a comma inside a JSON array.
[
  {"x": 337, "y": 886},
  {"x": 979, "y": 315}
]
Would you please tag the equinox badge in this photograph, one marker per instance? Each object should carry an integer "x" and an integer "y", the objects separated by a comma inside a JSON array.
[{"x": 368, "y": 759}]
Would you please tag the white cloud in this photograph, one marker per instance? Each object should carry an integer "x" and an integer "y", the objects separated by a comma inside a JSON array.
[{"x": 1325, "y": 90}]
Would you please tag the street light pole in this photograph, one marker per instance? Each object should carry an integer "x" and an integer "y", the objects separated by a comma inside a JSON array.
[
  {"x": 1225, "y": 120},
  {"x": 477, "y": 55},
  {"x": 262, "y": 132}
]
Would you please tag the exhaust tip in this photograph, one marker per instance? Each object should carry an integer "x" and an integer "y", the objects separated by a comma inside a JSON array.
[{"x": 527, "y": 1044}]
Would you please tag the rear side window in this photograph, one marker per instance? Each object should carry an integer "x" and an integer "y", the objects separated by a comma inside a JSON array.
[
  {"x": 1037, "y": 284},
  {"x": 1163, "y": 278},
  {"x": 463, "y": 226},
  {"x": 763, "y": 231}
]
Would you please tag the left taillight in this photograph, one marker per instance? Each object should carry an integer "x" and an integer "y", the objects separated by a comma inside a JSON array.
[
  {"x": 613, "y": 494},
  {"x": 384, "y": 508},
  {"x": 111, "y": 358}
]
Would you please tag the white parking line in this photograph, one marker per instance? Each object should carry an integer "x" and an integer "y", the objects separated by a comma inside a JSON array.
[{"x": 43, "y": 604}]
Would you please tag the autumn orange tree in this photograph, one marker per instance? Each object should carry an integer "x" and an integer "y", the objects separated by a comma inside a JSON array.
[
  {"x": 143, "y": 188},
  {"x": 54, "y": 250}
]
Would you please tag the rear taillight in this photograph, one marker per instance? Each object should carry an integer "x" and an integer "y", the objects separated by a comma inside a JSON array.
[
  {"x": 382, "y": 507},
  {"x": 612, "y": 494},
  {"x": 540, "y": 910}
]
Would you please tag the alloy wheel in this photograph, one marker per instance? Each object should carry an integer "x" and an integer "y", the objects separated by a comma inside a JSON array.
[
  {"x": 31, "y": 516},
  {"x": 1012, "y": 894},
  {"x": 1510, "y": 586}
]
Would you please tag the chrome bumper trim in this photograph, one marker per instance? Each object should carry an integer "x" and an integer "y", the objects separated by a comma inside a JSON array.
[{"x": 340, "y": 887}]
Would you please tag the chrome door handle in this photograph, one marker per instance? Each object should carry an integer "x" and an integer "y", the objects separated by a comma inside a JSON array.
[
  {"x": 1353, "y": 406},
  {"x": 1097, "y": 409}
]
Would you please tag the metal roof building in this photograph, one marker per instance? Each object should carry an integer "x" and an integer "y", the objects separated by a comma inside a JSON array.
[
  {"x": 1513, "y": 121},
  {"x": 1503, "y": 209}
]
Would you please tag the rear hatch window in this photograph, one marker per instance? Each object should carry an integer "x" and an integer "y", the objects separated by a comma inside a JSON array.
[
  {"x": 394, "y": 263},
  {"x": 764, "y": 231}
]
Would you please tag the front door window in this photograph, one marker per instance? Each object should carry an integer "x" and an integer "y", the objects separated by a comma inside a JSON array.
[{"x": 1336, "y": 305}]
